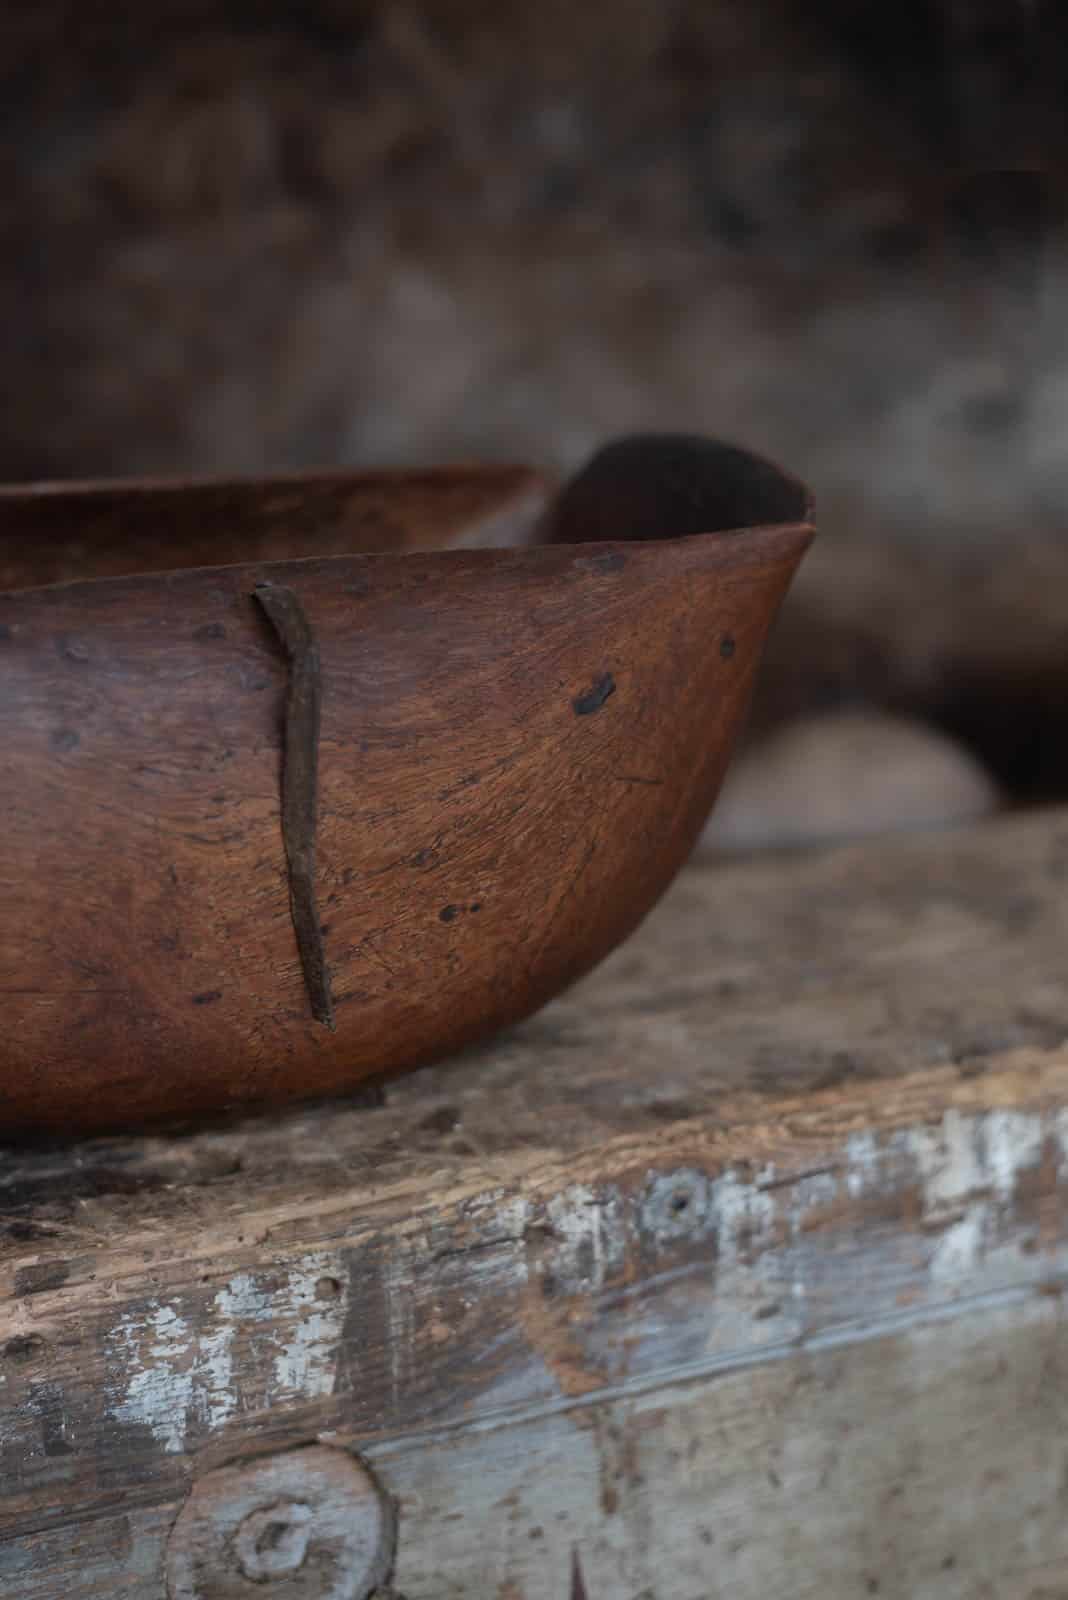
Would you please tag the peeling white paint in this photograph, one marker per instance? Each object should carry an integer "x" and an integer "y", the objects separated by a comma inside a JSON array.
[
  {"x": 177, "y": 1367},
  {"x": 959, "y": 1249},
  {"x": 219, "y": 1402},
  {"x": 587, "y": 1237},
  {"x": 862, "y": 1157},
  {"x": 968, "y": 1168},
  {"x": 947, "y": 1161},
  {"x": 159, "y": 1375},
  {"x": 244, "y": 1299},
  {"x": 399, "y": 1293},
  {"x": 273, "y": 1336},
  {"x": 744, "y": 1217},
  {"x": 1012, "y": 1143},
  {"x": 1058, "y": 1129},
  {"x": 239, "y": 1301},
  {"x": 307, "y": 1363},
  {"x": 510, "y": 1223}
]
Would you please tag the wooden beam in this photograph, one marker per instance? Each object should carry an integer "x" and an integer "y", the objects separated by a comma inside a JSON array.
[{"x": 812, "y": 1119}]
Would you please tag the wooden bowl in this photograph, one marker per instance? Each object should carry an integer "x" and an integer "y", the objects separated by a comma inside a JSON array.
[{"x": 272, "y": 826}]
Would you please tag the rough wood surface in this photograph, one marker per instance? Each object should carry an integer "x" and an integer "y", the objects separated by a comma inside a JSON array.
[{"x": 627, "y": 1263}]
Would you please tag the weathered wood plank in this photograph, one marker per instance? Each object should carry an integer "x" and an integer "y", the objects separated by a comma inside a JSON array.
[
  {"x": 814, "y": 1103},
  {"x": 930, "y": 1462}
]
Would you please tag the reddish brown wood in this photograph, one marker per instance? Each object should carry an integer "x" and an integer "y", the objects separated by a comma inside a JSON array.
[
  {"x": 518, "y": 748},
  {"x": 62, "y": 533}
]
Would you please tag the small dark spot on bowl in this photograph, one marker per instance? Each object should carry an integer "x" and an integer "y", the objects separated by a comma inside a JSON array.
[
  {"x": 5, "y": 632},
  {"x": 593, "y": 698},
  {"x": 207, "y": 997},
  {"x": 75, "y": 649},
  {"x": 476, "y": 905},
  {"x": 66, "y": 739},
  {"x": 327, "y": 1288},
  {"x": 726, "y": 647},
  {"x": 449, "y": 913},
  {"x": 210, "y": 630}
]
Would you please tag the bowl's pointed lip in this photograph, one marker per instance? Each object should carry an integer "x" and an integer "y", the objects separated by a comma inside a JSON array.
[{"x": 808, "y": 499}]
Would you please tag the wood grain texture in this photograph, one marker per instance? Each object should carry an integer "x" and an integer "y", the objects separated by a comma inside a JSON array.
[
  {"x": 66, "y": 533},
  {"x": 926, "y": 1462},
  {"x": 787, "y": 1272},
  {"x": 518, "y": 749}
]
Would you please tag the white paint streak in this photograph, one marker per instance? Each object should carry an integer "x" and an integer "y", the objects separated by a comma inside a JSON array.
[
  {"x": 178, "y": 1367},
  {"x": 969, "y": 1170},
  {"x": 307, "y": 1363},
  {"x": 862, "y": 1161},
  {"x": 1059, "y": 1130},
  {"x": 1012, "y": 1142},
  {"x": 948, "y": 1162},
  {"x": 219, "y": 1402},
  {"x": 959, "y": 1249},
  {"x": 588, "y": 1237},
  {"x": 744, "y": 1217},
  {"x": 398, "y": 1287},
  {"x": 510, "y": 1224},
  {"x": 159, "y": 1376},
  {"x": 240, "y": 1301},
  {"x": 280, "y": 1330}
]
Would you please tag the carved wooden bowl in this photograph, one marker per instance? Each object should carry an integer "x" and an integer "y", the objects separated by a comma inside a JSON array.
[{"x": 302, "y": 801}]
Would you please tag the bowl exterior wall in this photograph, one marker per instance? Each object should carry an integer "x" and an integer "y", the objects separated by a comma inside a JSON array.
[{"x": 518, "y": 749}]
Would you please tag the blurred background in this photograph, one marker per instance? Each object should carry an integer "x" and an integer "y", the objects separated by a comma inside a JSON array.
[{"x": 245, "y": 237}]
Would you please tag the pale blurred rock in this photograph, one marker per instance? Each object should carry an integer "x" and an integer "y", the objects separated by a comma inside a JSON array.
[{"x": 844, "y": 775}]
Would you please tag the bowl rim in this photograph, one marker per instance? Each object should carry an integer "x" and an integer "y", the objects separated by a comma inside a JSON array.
[{"x": 514, "y": 479}]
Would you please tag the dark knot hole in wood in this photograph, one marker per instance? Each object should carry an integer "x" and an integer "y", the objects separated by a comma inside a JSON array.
[{"x": 300, "y": 785}]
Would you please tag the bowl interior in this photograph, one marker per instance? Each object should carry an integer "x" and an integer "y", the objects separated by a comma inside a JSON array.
[
  {"x": 67, "y": 533},
  {"x": 673, "y": 486}
]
